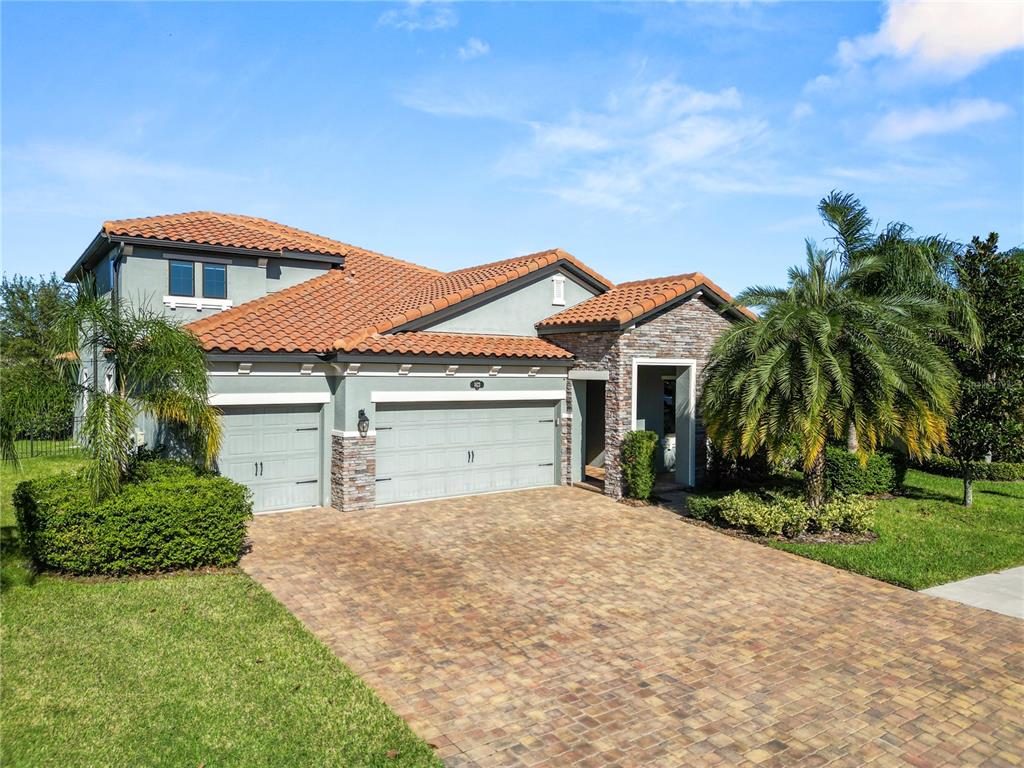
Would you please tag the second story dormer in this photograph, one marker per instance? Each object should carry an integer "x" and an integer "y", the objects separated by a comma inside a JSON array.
[{"x": 191, "y": 265}]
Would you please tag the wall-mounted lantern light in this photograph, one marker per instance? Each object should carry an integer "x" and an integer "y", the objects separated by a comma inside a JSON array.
[{"x": 363, "y": 424}]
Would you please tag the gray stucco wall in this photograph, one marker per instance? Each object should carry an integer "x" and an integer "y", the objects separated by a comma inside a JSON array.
[
  {"x": 144, "y": 278},
  {"x": 516, "y": 313},
  {"x": 355, "y": 391}
]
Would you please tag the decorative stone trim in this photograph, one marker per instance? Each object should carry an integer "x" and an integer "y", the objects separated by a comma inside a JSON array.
[{"x": 353, "y": 472}]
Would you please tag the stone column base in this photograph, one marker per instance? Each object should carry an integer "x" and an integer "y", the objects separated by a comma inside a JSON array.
[{"x": 353, "y": 472}]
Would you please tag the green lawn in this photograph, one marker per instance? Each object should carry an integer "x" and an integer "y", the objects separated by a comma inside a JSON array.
[
  {"x": 182, "y": 670},
  {"x": 926, "y": 537}
]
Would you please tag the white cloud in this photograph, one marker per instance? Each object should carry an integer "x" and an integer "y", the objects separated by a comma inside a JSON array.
[
  {"x": 635, "y": 150},
  {"x": 951, "y": 38},
  {"x": 419, "y": 15},
  {"x": 802, "y": 110},
  {"x": 473, "y": 48},
  {"x": 903, "y": 125}
]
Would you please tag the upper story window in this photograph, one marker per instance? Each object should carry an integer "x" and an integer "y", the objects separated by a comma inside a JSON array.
[
  {"x": 215, "y": 281},
  {"x": 182, "y": 278}
]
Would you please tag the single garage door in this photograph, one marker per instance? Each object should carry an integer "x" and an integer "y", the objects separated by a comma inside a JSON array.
[
  {"x": 432, "y": 451},
  {"x": 275, "y": 451}
]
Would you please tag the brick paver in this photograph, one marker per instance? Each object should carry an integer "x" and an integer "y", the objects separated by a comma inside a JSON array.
[{"x": 556, "y": 627}]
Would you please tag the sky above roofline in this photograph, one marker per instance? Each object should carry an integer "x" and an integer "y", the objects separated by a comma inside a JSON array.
[{"x": 644, "y": 139}]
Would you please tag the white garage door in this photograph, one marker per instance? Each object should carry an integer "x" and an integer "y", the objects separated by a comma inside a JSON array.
[
  {"x": 432, "y": 451},
  {"x": 275, "y": 451}
]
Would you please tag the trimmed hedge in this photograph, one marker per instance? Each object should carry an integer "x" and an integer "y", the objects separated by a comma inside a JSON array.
[
  {"x": 167, "y": 516},
  {"x": 638, "y": 463},
  {"x": 775, "y": 514},
  {"x": 1004, "y": 471},
  {"x": 844, "y": 474}
]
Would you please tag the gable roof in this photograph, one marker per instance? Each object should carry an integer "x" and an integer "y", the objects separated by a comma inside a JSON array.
[
  {"x": 455, "y": 287},
  {"x": 227, "y": 230},
  {"x": 628, "y": 302}
]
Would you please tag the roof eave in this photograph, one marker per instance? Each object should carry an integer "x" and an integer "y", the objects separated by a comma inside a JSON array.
[
  {"x": 83, "y": 261},
  {"x": 184, "y": 245}
]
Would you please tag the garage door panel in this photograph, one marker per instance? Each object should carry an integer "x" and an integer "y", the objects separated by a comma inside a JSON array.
[
  {"x": 432, "y": 451},
  {"x": 276, "y": 452}
]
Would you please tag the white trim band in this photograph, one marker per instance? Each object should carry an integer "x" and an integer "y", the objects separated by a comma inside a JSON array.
[
  {"x": 271, "y": 398},
  {"x": 352, "y": 433},
  {"x": 173, "y": 302},
  {"x": 467, "y": 397}
]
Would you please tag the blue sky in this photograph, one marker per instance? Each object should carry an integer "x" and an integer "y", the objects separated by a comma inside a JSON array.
[{"x": 645, "y": 139}]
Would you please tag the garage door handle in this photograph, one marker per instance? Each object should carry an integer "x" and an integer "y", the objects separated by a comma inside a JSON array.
[
  {"x": 304, "y": 482},
  {"x": 547, "y": 421},
  {"x": 307, "y": 429},
  {"x": 549, "y": 464},
  {"x": 255, "y": 468},
  {"x": 383, "y": 479},
  {"x": 261, "y": 469}
]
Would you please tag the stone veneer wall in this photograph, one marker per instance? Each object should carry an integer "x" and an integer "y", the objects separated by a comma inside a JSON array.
[
  {"x": 686, "y": 330},
  {"x": 353, "y": 472}
]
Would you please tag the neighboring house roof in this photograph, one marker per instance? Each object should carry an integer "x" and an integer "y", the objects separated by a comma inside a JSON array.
[
  {"x": 461, "y": 345},
  {"x": 228, "y": 230},
  {"x": 454, "y": 287},
  {"x": 627, "y": 302}
]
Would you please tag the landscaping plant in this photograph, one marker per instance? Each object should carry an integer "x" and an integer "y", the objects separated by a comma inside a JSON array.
[
  {"x": 638, "y": 463},
  {"x": 120, "y": 362},
  {"x": 850, "y": 343},
  {"x": 989, "y": 420},
  {"x": 167, "y": 516}
]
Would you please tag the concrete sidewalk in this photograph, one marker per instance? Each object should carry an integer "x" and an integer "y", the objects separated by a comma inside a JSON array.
[{"x": 1002, "y": 592}]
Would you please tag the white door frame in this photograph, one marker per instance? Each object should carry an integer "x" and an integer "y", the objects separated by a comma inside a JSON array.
[{"x": 679, "y": 362}]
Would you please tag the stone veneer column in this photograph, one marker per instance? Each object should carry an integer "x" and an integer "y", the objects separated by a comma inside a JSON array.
[
  {"x": 566, "y": 434},
  {"x": 353, "y": 472}
]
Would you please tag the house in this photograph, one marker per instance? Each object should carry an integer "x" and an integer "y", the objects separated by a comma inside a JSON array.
[{"x": 354, "y": 379}]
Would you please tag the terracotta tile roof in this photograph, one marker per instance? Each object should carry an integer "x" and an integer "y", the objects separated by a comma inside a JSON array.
[
  {"x": 311, "y": 316},
  {"x": 228, "y": 230},
  {"x": 460, "y": 345},
  {"x": 627, "y": 301},
  {"x": 454, "y": 287}
]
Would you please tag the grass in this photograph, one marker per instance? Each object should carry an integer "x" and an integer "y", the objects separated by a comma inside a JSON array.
[
  {"x": 182, "y": 670},
  {"x": 926, "y": 537}
]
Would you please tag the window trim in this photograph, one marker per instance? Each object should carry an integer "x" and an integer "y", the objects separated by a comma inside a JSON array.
[
  {"x": 170, "y": 271},
  {"x": 221, "y": 266}
]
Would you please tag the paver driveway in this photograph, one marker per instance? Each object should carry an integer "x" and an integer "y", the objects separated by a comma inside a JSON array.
[{"x": 556, "y": 627}]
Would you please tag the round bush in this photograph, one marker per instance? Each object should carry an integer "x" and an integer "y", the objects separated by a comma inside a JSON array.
[
  {"x": 845, "y": 475},
  {"x": 167, "y": 516}
]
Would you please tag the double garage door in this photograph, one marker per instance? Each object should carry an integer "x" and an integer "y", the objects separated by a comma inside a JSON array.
[
  {"x": 432, "y": 451},
  {"x": 275, "y": 452}
]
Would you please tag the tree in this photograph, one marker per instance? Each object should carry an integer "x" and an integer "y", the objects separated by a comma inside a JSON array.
[
  {"x": 990, "y": 414},
  {"x": 146, "y": 365},
  {"x": 29, "y": 309},
  {"x": 919, "y": 265},
  {"x": 826, "y": 354}
]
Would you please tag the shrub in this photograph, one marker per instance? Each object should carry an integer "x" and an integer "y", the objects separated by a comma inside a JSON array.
[
  {"x": 844, "y": 473},
  {"x": 703, "y": 507},
  {"x": 167, "y": 516},
  {"x": 775, "y": 514},
  {"x": 638, "y": 463},
  {"x": 1004, "y": 471}
]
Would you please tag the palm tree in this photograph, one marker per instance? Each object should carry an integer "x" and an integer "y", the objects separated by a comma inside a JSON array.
[
  {"x": 145, "y": 365},
  {"x": 825, "y": 355},
  {"x": 921, "y": 265}
]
